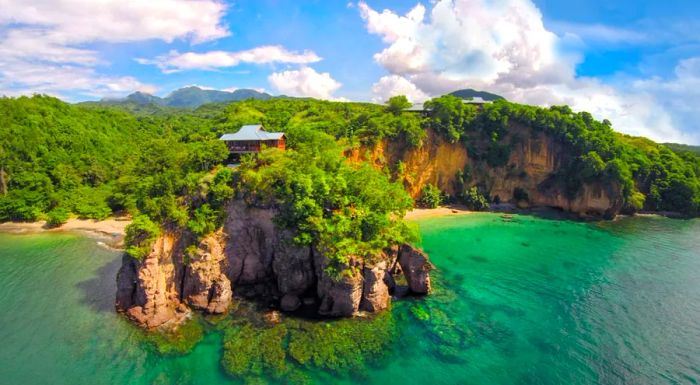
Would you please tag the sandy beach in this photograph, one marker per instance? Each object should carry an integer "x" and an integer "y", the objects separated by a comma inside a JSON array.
[
  {"x": 437, "y": 212},
  {"x": 112, "y": 228}
]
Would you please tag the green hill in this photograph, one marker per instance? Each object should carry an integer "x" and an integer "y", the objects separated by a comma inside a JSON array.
[
  {"x": 469, "y": 93},
  {"x": 683, "y": 148},
  {"x": 92, "y": 160}
]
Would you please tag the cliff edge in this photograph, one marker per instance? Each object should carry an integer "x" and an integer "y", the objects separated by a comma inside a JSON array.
[{"x": 251, "y": 257}]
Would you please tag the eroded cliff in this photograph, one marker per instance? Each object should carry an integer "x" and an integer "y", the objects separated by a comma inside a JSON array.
[
  {"x": 251, "y": 257},
  {"x": 528, "y": 178}
]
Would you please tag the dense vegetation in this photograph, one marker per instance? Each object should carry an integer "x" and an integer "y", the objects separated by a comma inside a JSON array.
[
  {"x": 164, "y": 166},
  {"x": 343, "y": 209},
  {"x": 57, "y": 158},
  {"x": 651, "y": 176}
]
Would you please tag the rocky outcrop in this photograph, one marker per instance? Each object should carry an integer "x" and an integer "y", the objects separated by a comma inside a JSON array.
[
  {"x": 205, "y": 286},
  {"x": 340, "y": 296},
  {"x": 251, "y": 257},
  {"x": 375, "y": 292},
  {"x": 416, "y": 268},
  {"x": 148, "y": 290}
]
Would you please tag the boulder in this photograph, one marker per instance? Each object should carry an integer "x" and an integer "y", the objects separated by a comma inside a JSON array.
[{"x": 416, "y": 268}]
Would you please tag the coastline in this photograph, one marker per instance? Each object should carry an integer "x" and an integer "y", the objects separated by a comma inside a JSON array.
[
  {"x": 112, "y": 229},
  {"x": 442, "y": 211}
]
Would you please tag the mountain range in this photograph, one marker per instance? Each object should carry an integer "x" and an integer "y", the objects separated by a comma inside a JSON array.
[
  {"x": 188, "y": 97},
  {"x": 193, "y": 97}
]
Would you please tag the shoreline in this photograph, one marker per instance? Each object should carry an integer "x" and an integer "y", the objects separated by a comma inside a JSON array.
[
  {"x": 442, "y": 211},
  {"x": 111, "y": 229},
  {"x": 539, "y": 211}
]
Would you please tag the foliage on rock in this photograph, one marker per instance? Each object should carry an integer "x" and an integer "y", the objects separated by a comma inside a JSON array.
[
  {"x": 140, "y": 235},
  {"x": 344, "y": 209}
]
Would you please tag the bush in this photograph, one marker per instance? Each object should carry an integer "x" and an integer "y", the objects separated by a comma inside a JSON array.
[
  {"x": 57, "y": 217},
  {"x": 636, "y": 201},
  {"x": 475, "y": 200},
  {"x": 430, "y": 197},
  {"x": 140, "y": 235},
  {"x": 204, "y": 221}
]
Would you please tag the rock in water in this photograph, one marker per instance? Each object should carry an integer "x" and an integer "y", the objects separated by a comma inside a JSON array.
[
  {"x": 148, "y": 290},
  {"x": 416, "y": 268},
  {"x": 375, "y": 292},
  {"x": 252, "y": 256}
]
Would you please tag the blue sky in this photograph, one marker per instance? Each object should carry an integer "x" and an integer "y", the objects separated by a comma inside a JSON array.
[{"x": 636, "y": 63}]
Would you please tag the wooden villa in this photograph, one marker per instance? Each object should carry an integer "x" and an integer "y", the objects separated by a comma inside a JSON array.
[{"x": 252, "y": 138}]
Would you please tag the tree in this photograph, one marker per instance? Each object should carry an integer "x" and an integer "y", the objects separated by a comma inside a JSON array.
[
  {"x": 430, "y": 197},
  {"x": 475, "y": 200},
  {"x": 396, "y": 104}
]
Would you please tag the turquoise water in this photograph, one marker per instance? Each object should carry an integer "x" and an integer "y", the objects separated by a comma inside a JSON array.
[{"x": 531, "y": 301}]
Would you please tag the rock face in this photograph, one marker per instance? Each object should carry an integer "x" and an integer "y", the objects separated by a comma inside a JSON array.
[
  {"x": 531, "y": 167},
  {"x": 416, "y": 268},
  {"x": 205, "y": 286},
  {"x": 375, "y": 293},
  {"x": 340, "y": 296},
  {"x": 293, "y": 266},
  {"x": 148, "y": 290},
  {"x": 251, "y": 257}
]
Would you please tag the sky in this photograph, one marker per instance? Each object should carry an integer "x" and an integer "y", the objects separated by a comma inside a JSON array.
[{"x": 634, "y": 62}]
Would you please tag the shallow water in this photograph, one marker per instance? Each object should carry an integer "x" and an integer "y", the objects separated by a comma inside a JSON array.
[{"x": 531, "y": 301}]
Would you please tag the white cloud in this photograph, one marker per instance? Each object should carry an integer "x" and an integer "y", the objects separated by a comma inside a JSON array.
[
  {"x": 305, "y": 82},
  {"x": 79, "y": 21},
  {"x": 42, "y": 43},
  {"x": 26, "y": 78},
  {"x": 393, "y": 85},
  {"x": 504, "y": 47},
  {"x": 175, "y": 61},
  {"x": 679, "y": 95}
]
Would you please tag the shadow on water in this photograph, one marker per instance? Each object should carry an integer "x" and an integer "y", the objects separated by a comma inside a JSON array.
[{"x": 98, "y": 292}]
